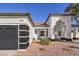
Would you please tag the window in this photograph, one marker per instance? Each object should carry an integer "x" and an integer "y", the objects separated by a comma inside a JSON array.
[
  {"x": 24, "y": 40},
  {"x": 23, "y": 27},
  {"x": 41, "y": 33},
  {"x": 71, "y": 30},
  {"x": 35, "y": 31},
  {"x": 10, "y": 28},
  {"x": 1, "y": 28},
  {"x": 59, "y": 33},
  {"x": 23, "y": 46},
  {"x": 24, "y": 33}
]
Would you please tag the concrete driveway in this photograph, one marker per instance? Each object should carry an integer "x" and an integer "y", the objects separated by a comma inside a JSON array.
[
  {"x": 74, "y": 44},
  {"x": 7, "y": 52},
  {"x": 55, "y": 49},
  {"x": 36, "y": 49}
]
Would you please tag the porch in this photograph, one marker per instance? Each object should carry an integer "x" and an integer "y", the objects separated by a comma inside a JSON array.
[{"x": 40, "y": 32}]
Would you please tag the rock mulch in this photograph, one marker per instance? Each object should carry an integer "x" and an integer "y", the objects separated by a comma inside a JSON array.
[{"x": 55, "y": 49}]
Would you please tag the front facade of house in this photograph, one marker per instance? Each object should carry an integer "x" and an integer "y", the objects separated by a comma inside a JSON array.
[
  {"x": 17, "y": 30},
  {"x": 57, "y": 26}
]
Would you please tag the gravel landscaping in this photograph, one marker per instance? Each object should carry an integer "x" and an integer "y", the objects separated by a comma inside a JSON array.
[{"x": 54, "y": 49}]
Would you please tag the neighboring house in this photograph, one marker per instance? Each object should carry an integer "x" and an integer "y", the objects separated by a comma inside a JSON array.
[
  {"x": 17, "y": 30},
  {"x": 75, "y": 32},
  {"x": 73, "y": 8}
]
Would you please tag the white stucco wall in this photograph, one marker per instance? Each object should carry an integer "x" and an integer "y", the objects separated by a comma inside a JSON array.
[
  {"x": 75, "y": 32},
  {"x": 49, "y": 22},
  {"x": 67, "y": 20},
  {"x": 52, "y": 22}
]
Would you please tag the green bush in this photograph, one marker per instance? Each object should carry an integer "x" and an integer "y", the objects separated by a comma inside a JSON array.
[{"x": 45, "y": 41}]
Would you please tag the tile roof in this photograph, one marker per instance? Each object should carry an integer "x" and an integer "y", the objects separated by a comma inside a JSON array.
[{"x": 40, "y": 24}]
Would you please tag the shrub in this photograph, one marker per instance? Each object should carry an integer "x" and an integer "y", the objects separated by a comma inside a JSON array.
[{"x": 45, "y": 41}]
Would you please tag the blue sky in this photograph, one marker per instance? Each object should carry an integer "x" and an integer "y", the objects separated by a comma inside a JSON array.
[{"x": 39, "y": 12}]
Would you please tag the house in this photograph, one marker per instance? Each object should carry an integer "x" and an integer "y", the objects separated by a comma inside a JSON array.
[
  {"x": 17, "y": 30},
  {"x": 56, "y": 26}
]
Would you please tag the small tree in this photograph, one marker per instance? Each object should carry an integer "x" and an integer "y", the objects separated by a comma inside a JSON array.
[{"x": 73, "y": 8}]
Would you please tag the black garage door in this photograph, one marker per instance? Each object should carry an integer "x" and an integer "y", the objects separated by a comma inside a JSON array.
[{"x": 8, "y": 37}]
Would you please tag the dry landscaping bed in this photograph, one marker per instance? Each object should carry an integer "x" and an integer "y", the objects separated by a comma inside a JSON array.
[{"x": 55, "y": 49}]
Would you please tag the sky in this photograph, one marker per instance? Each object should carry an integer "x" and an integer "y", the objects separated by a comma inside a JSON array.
[{"x": 39, "y": 12}]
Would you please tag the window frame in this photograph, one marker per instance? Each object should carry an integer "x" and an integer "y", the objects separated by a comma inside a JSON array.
[{"x": 42, "y": 33}]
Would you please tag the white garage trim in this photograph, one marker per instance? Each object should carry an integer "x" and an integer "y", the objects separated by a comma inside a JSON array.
[{"x": 18, "y": 36}]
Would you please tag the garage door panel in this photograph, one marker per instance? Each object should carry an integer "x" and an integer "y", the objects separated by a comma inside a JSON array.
[
  {"x": 23, "y": 46},
  {"x": 8, "y": 37},
  {"x": 24, "y": 33},
  {"x": 23, "y": 27},
  {"x": 24, "y": 40}
]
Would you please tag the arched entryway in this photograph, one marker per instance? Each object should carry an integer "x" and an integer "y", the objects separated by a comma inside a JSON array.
[{"x": 59, "y": 29}]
